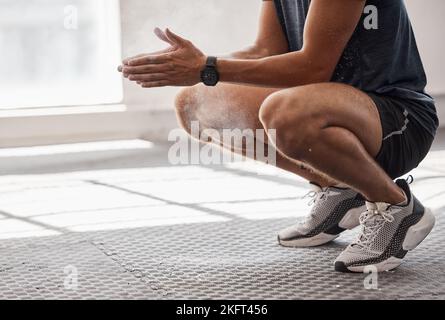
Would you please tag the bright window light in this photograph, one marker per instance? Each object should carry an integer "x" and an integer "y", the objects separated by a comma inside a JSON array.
[{"x": 59, "y": 53}]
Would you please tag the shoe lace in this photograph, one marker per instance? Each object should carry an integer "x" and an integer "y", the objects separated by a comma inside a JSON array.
[
  {"x": 316, "y": 196},
  {"x": 372, "y": 221}
]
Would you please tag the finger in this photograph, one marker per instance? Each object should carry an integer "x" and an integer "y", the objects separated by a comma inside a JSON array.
[
  {"x": 155, "y": 84},
  {"x": 150, "y": 59},
  {"x": 148, "y": 77},
  {"x": 154, "y": 68},
  {"x": 125, "y": 61},
  {"x": 175, "y": 38},
  {"x": 161, "y": 35}
]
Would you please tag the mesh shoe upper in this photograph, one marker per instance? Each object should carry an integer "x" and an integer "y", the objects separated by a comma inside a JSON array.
[
  {"x": 329, "y": 207},
  {"x": 384, "y": 228}
]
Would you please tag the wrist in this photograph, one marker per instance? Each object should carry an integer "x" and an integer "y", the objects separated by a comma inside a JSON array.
[{"x": 202, "y": 63}]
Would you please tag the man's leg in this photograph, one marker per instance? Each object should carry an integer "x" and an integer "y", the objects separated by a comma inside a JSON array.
[
  {"x": 336, "y": 129},
  {"x": 229, "y": 106},
  {"x": 238, "y": 107}
]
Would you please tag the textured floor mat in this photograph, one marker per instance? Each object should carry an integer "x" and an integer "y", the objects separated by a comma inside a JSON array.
[{"x": 238, "y": 259}]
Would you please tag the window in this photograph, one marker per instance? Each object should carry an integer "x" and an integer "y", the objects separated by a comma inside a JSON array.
[{"x": 59, "y": 53}]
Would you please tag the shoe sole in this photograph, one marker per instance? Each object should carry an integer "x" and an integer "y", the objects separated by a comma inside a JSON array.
[
  {"x": 347, "y": 223},
  {"x": 314, "y": 241},
  {"x": 414, "y": 237}
]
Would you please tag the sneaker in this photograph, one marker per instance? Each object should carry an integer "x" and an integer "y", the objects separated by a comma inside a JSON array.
[
  {"x": 388, "y": 233},
  {"x": 334, "y": 211}
]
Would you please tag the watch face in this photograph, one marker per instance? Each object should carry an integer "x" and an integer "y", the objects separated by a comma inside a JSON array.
[{"x": 210, "y": 77}]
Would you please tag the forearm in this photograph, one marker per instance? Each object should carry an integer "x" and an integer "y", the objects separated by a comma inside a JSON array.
[
  {"x": 250, "y": 53},
  {"x": 281, "y": 71}
]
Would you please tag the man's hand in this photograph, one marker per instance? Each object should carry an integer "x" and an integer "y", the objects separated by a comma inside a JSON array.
[{"x": 179, "y": 65}]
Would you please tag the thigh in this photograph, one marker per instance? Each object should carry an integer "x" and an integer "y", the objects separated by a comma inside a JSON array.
[
  {"x": 338, "y": 105},
  {"x": 226, "y": 106}
]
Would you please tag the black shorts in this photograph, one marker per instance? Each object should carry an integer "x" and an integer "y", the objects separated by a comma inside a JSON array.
[{"x": 405, "y": 141}]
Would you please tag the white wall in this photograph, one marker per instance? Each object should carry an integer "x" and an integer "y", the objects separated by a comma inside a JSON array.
[{"x": 215, "y": 26}]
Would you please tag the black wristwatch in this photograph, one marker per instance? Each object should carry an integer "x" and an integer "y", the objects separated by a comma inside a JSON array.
[{"x": 210, "y": 75}]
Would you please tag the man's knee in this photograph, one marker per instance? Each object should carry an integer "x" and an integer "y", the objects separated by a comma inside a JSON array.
[
  {"x": 185, "y": 104},
  {"x": 296, "y": 119},
  {"x": 271, "y": 110}
]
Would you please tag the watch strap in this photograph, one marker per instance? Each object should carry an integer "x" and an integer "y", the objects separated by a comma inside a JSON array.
[{"x": 211, "y": 62}]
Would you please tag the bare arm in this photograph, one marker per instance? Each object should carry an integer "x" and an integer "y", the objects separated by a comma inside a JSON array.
[
  {"x": 329, "y": 27},
  {"x": 270, "y": 40}
]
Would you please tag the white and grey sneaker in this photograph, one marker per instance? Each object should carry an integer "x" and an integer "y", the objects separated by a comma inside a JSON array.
[
  {"x": 334, "y": 211},
  {"x": 388, "y": 233}
]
